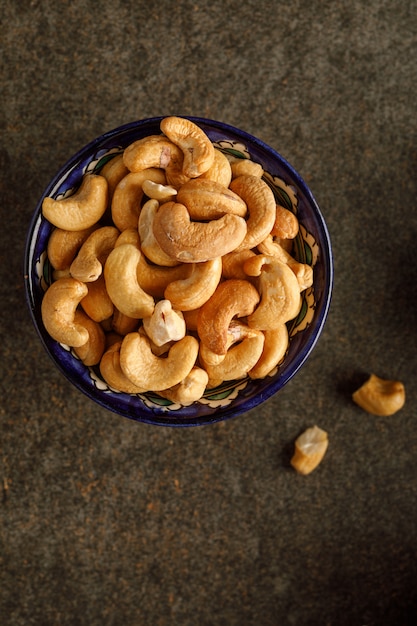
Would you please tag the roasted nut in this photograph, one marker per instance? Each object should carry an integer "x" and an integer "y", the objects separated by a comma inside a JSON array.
[
  {"x": 88, "y": 264},
  {"x": 279, "y": 291},
  {"x": 58, "y": 310},
  {"x": 92, "y": 350},
  {"x": 153, "y": 151},
  {"x": 303, "y": 272},
  {"x": 261, "y": 205},
  {"x": 232, "y": 298},
  {"x": 148, "y": 243},
  {"x": 112, "y": 373},
  {"x": 286, "y": 224},
  {"x": 233, "y": 264},
  {"x": 379, "y": 396},
  {"x": 220, "y": 171},
  {"x": 188, "y": 390},
  {"x": 120, "y": 274},
  {"x": 154, "y": 373},
  {"x": 196, "y": 242},
  {"x": 63, "y": 246},
  {"x": 158, "y": 191},
  {"x": 275, "y": 347},
  {"x": 209, "y": 200},
  {"x": 165, "y": 324},
  {"x": 122, "y": 324},
  {"x": 246, "y": 167},
  {"x": 196, "y": 146},
  {"x": 81, "y": 210},
  {"x": 97, "y": 304},
  {"x": 127, "y": 197},
  {"x": 191, "y": 292},
  {"x": 113, "y": 171},
  {"x": 310, "y": 448}
]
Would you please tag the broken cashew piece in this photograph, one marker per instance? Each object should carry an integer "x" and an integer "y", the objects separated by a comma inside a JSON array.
[
  {"x": 120, "y": 274},
  {"x": 81, "y": 210},
  {"x": 191, "y": 292},
  {"x": 195, "y": 242},
  {"x": 165, "y": 324},
  {"x": 379, "y": 396},
  {"x": 310, "y": 448},
  {"x": 58, "y": 310},
  {"x": 232, "y": 298},
  {"x": 196, "y": 146},
  {"x": 155, "y": 373},
  {"x": 88, "y": 264},
  {"x": 279, "y": 291},
  {"x": 261, "y": 204}
]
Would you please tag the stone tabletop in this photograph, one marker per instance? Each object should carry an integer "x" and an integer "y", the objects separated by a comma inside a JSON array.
[{"x": 107, "y": 521}]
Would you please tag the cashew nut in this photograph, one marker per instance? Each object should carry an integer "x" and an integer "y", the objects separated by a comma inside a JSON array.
[
  {"x": 233, "y": 263},
  {"x": 165, "y": 324},
  {"x": 88, "y": 264},
  {"x": 192, "y": 292},
  {"x": 188, "y": 390},
  {"x": 220, "y": 171},
  {"x": 81, "y": 210},
  {"x": 275, "y": 347},
  {"x": 97, "y": 303},
  {"x": 120, "y": 274},
  {"x": 154, "y": 373},
  {"x": 58, "y": 309},
  {"x": 261, "y": 205},
  {"x": 154, "y": 279},
  {"x": 279, "y": 291},
  {"x": 196, "y": 146},
  {"x": 127, "y": 197},
  {"x": 158, "y": 191},
  {"x": 310, "y": 448},
  {"x": 112, "y": 372},
  {"x": 148, "y": 243},
  {"x": 194, "y": 242},
  {"x": 152, "y": 151},
  {"x": 236, "y": 332},
  {"x": 123, "y": 324},
  {"x": 239, "y": 360},
  {"x": 286, "y": 224},
  {"x": 130, "y": 235},
  {"x": 63, "y": 246},
  {"x": 209, "y": 200},
  {"x": 232, "y": 298},
  {"x": 302, "y": 271},
  {"x": 113, "y": 171},
  {"x": 92, "y": 350},
  {"x": 246, "y": 167},
  {"x": 379, "y": 396}
]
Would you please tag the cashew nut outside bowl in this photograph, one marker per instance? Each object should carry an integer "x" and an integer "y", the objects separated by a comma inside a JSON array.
[{"x": 231, "y": 397}]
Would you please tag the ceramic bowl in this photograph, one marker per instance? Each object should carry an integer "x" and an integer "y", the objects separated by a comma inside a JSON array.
[{"x": 230, "y": 399}]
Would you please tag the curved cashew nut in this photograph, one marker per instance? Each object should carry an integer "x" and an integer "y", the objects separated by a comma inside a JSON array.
[
  {"x": 58, "y": 309},
  {"x": 195, "y": 242},
  {"x": 92, "y": 350},
  {"x": 302, "y": 271},
  {"x": 279, "y": 290},
  {"x": 233, "y": 263},
  {"x": 209, "y": 200},
  {"x": 246, "y": 167},
  {"x": 192, "y": 292},
  {"x": 152, "y": 151},
  {"x": 196, "y": 146},
  {"x": 113, "y": 171},
  {"x": 148, "y": 243},
  {"x": 63, "y": 246},
  {"x": 88, "y": 264},
  {"x": 286, "y": 225},
  {"x": 232, "y": 298},
  {"x": 239, "y": 360},
  {"x": 97, "y": 303},
  {"x": 275, "y": 347},
  {"x": 130, "y": 235},
  {"x": 123, "y": 324},
  {"x": 236, "y": 332},
  {"x": 165, "y": 324},
  {"x": 155, "y": 373},
  {"x": 112, "y": 372},
  {"x": 81, "y": 210},
  {"x": 155, "y": 279},
  {"x": 158, "y": 191},
  {"x": 261, "y": 205},
  {"x": 188, "y": 390},
  {"x": 220, "y": 171},
  {"x": 120, "y": 274},
  {"x": 127, "y": 197},
  {"x": 379, "y": 396}
]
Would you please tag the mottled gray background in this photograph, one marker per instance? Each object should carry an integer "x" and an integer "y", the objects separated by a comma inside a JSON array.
[{"x": 104, "y": 521}]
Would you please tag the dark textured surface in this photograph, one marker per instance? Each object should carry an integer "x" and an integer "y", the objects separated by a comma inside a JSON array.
[{"x": 104, "y": 521}]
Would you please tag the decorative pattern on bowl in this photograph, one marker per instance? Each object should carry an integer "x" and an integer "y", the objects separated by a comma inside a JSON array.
[{"x": 231, "y": 397}]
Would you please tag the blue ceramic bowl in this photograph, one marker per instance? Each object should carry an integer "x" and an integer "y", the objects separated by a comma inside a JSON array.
[{"x": 312, "y": 246}]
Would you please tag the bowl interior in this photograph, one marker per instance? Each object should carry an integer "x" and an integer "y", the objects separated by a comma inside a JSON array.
[{"x": 312, "y": 246}]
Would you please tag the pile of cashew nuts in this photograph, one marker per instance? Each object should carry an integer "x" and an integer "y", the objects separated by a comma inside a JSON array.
[{"x": 172, "y": 268}]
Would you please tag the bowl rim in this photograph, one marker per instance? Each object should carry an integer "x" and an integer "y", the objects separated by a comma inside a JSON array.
[{"x": 299, "y": 360}]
